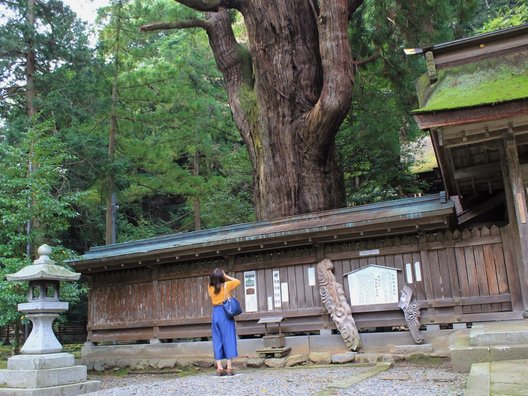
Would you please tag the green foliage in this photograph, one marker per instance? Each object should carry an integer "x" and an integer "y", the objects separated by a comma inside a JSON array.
[
  {"x": 59, "y": 41},
  {"x": 40, "y": 195},
  {"x": 377, "y": 143},
  {"x": 507, "y": 16},
  {"x": 177, "y": 143},
  {"x": 5, "y": 353},
  {"x": 174, "y": 126},
  {"x": 232, "y": 201}
]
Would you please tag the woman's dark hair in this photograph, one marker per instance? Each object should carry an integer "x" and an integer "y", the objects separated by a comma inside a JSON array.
[{"x": 217, "y": 279}]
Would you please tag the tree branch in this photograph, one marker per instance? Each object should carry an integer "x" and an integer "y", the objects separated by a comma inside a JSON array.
[
  {"x": 364, "y": 61},
  {"x": 336, "y": 59},
  {"x": 210, "y": 5},
  {"x": 184, "y": 24},
  {"x": 234, "y": 62},
  {"x": 353, "y": 5}
]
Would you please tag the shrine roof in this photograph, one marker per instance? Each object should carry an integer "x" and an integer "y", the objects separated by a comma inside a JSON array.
[
  {"x": 485, "y": 82},
  {"x": 386, "y": 218}
]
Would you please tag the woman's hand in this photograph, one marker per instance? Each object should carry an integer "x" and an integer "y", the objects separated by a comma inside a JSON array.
[{"x": 227, "y": 276}]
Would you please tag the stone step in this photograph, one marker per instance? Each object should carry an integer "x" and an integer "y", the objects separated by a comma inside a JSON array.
[
  {"x": 508, "y": 377},
  {"x": 42, "y": 378},
  {"x": 62, "y": 390},
  {"x": 464, "y": 353},
  {"x": 499, "y": 333}
]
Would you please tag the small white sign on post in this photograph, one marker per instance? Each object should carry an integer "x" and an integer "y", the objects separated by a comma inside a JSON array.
[
  {"x": 250, "y": 291},
  {"x": 373, "y": 284},
  {"x": 311, "y": 276},
  {"x": 284, "y": 292}
]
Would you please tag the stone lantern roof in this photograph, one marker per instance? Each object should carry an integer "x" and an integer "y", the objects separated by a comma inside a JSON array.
[{"x": 44, "y": 268}]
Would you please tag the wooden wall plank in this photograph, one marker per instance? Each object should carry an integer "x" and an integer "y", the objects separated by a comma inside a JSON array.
[
  {"x": 472, "y": 274},
  {"x": 510, "y": 260},
  {"x": 426, "y": 275},
  {"x": 480, "y": 264},
  {"x": 435, "y": 275},
  {"x": 292, "y": 281},
  {"x": 443, "y": 265}
]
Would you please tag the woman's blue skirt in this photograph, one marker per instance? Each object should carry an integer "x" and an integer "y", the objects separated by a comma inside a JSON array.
[{"x": 224, "y": 335}]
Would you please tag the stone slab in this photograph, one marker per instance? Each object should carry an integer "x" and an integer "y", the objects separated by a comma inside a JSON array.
[
  {"x": 131, "y": 355},
  {"x": 462, "y": 357},
  {"x": 42, "y": 378},
  {"x": 411, "y": 349},
  {"x": 502, "y": 389},
  {"x": 320, "y": 357},
  {"x": 478, "y": 382},
  {"x": 296, "y": 360},
  {"x": 340, "y": 358},
  {"x": 275, "y": 363},
  {"x": 510, "y": 372},
  {"x": 509, "y": 352},
  {"x": 499, "y": 333},
  {"x": 348, "y": 382},
  {"x": 432, "y": 327},
  {"x": 81, "y": 388},
  {"x": 40, "y": 362}
]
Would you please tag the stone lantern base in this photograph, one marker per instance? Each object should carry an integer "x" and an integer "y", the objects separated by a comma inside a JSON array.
[{"x": 51, "y": 374}]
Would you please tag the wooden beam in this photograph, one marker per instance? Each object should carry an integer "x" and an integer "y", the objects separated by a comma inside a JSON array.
[
  {"x": 451, "y": 171},
  {"x": 516, "y": 201},
  {"x": 477, "y": 171},
  {"x": 482, "y": 208},
  {"x": 442, "y": 118}
]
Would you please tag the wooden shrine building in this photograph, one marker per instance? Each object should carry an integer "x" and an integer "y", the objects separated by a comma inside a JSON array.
[
  {"x": 464, "y": 265},
  {"x": 474, "y": 101}
]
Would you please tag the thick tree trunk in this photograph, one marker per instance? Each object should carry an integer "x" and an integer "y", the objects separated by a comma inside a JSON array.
[
  {"x": 290, "y": 109},
  {"x": 294, "y": 173}
]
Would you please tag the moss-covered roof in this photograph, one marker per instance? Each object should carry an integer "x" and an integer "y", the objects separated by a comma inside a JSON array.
[{"x": 484, "y": 82}]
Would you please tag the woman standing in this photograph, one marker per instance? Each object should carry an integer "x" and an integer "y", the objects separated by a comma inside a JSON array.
[{"x": 224, "y": 331}]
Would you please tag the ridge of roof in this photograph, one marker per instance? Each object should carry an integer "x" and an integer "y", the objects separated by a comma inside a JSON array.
[{"x": 272, "y": 229}]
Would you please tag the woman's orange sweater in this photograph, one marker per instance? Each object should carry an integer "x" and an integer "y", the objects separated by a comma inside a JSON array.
[{"x": 219, "y": 298}]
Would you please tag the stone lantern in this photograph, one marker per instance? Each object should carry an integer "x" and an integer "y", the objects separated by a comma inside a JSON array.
[{"x": 42, "y": 367}]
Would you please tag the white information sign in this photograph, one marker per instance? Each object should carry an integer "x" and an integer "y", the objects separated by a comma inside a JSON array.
[
  {"x": 311, "y": 276},
  {"x": 408, "y": 273},
  {"x": 373, "y": 285},
  {"x": 250, "y": 291},
  {"x": 418, "y": 271},
  {"x": 284, "y": 292},
  {"x": 369, "y": 252},
  {"x": 276, "y": 289},
  {"x": 270, "y": 303}
]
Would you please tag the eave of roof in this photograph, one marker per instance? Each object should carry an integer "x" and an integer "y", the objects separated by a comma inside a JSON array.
[
  {"x": 485, "y": 82},
  {"x": 409, "y": 212},
  {"x": 477, "y": 39}
]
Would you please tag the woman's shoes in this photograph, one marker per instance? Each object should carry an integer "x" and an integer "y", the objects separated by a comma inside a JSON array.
[{"x": 222, "y": 372}]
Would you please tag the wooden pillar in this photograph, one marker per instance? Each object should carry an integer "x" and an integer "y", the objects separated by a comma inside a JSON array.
[
  {"x": 517, "y": 215},
  {"x": 89, "y": 316},
  {"x": 155, "y": 305}
]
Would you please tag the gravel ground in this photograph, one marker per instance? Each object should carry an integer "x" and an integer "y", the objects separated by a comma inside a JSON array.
[{"x": 402, "y": 379}]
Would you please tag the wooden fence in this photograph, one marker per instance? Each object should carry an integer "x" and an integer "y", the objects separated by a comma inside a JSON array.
[{"x": 456, "y": 277}]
